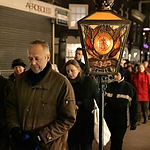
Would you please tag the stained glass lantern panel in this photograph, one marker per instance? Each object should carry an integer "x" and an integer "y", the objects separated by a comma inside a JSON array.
[{"x": 103, "y": 41}]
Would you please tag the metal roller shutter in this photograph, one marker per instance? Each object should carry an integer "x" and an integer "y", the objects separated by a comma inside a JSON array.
[{"x": 17, "y": 30}]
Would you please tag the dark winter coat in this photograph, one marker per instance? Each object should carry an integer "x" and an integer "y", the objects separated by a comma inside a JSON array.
[
  {"x": 12, "y": 78},
  {"x": 5, "y": 89},
  {"x": 120, "y": 104},
  {"x": 82, "y": 65},
  {"x": 86, "y": 89},
  {"x": 47, "y": 107}
]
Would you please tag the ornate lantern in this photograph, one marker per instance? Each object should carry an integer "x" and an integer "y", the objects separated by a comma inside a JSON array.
[{"x": 103, "y": 36}]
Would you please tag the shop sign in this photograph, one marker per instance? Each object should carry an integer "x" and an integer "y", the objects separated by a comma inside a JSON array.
[
  {"x": 61, "y": 17},
  {"x": 37, "y": 7}
]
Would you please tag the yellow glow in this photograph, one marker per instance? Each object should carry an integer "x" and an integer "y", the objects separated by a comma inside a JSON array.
[{"x": 103, "y": 16}]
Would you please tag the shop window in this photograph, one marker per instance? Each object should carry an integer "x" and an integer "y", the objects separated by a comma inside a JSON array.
[
  {"x": 76, "y": 13},
  {"x": 70, "y": 52}
]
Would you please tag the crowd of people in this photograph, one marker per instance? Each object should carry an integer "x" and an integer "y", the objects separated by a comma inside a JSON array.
[
  {"x": 45, "y": 109},
  {"x": 42, "y": 109},
  {"x": 139, "y": 76}
]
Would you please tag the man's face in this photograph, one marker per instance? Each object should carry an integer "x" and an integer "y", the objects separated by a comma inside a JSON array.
[
  {"x": 78, "y": 55},
  {"x": 37, "y": 58}
]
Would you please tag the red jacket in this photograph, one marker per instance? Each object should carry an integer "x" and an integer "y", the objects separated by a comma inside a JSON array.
[{"x": 141, "y": 82}]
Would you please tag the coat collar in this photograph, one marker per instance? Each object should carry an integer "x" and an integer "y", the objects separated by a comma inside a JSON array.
[{"x": 35, "y": 78}]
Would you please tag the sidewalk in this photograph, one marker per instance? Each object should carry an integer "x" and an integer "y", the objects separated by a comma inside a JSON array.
[{"x": 138, "y": 139}]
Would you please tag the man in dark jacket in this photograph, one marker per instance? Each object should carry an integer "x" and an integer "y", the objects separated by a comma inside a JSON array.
[
  {"x": 78, "y": 58},
  {"x": 41, "y": 108},
  {"x": 121, "y": 109},
  {"x": 5, "y": 88}
]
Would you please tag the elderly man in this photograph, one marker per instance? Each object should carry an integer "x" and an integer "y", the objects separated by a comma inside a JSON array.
[{"x": 41, "y": 108}]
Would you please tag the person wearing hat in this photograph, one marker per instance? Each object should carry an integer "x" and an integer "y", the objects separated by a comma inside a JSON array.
[
  {"x": 121, "y": 109},
  {"x": 18, "y": 66}
]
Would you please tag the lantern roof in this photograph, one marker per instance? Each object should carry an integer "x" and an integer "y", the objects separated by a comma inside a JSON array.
[
  {"x": 103, "y": 36},
  {"x": 103, "y": 15}
]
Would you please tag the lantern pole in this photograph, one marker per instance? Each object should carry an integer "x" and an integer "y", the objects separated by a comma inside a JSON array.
[
  {"x": 106, "y": 5},
  {"x": 103, "y": 85},
  {"x": 103, "y": 35}
]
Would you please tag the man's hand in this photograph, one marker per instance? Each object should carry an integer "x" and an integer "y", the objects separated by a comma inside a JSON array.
[
  {"x": 18, "y": 135},
  {"x": 32, "y": 142},
  {"x": 26, "y": 140}
]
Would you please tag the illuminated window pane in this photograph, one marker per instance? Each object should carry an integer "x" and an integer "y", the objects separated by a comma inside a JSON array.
[
  {"x": 76, "y": 13},
  {"x": 70, "y": 51}
]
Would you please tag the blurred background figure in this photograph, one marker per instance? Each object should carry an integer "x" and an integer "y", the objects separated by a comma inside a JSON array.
[
  {"x": 141, "y": 82},
  {"x": 86, "y": 89},
  {"x": 146, "y": 66},
  {"x": 135, "y": 68},
  {"x": 78, "y": 57},
  {"x": 19, "y": 66},
  {"x": 128, "y": 71},
  {"x": 5, "y": 88}
]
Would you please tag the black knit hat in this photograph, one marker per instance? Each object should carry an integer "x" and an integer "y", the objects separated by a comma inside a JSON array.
[{"x": 18, "y": 62}]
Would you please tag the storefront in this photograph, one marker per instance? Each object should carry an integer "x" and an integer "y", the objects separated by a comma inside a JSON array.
[{"x": 22, "y": 22}]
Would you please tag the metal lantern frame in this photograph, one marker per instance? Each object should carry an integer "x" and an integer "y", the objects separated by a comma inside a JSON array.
[{"x": 103, "y": 35}]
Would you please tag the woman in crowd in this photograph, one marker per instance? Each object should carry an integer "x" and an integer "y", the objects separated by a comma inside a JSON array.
[
  {"x": 86, "y": 89},
  {"x": 141, "y": 81}
]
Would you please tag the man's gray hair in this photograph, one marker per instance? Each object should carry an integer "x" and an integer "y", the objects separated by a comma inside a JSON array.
[{"x": 42, "y": 43}]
